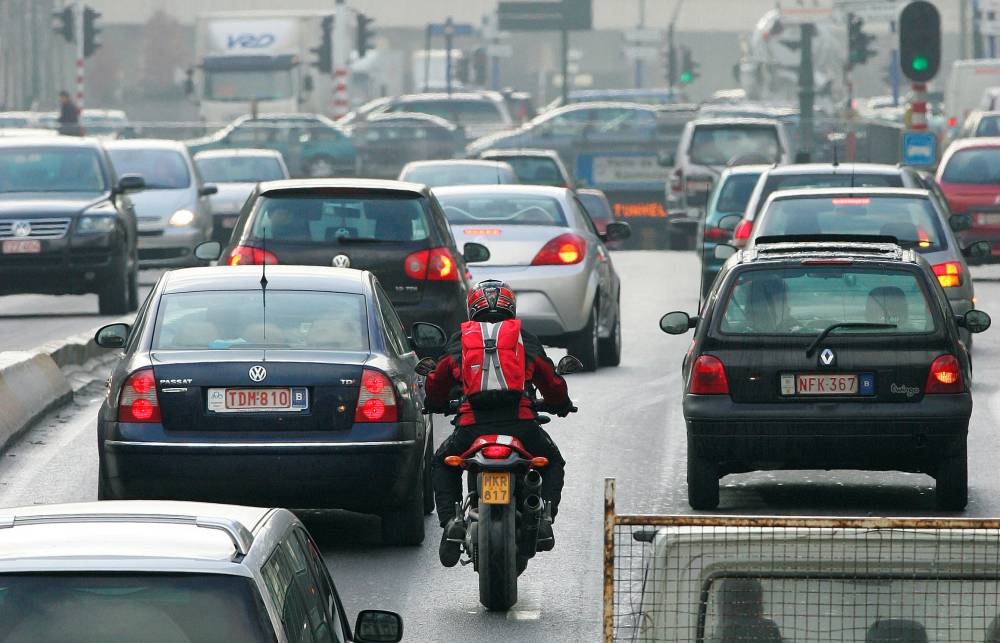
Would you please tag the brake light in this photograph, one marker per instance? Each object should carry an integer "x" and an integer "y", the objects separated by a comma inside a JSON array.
[
  {"x": 564, "y": 250},
  {"x": 677, "y": 180},
  {"x": 716, "y": 234},
  {"x": 949, "y": 274},
  {"x": 496, "y": 452},
  {"x": 953, "y": 122},
  {"x": 945, "y": 376},
  {"x": 743, "y": 230},
  {"x": 708, "y": 376},
  {"x": 137, "y": 401},
  {"x": 250, "y": 256},
  {"x": 376, "y": 399},
  {"x": 435, "y": 264}
]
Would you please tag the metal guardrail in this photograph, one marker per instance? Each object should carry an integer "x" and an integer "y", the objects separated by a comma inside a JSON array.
[{"x": 805, "y": 579}]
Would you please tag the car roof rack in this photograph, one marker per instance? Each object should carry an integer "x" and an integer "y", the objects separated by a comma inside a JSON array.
[
  {"x": 240, "y": 536},
  {"x": 798, "y": 246}
]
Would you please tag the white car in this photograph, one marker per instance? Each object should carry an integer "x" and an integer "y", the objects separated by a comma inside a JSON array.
[
  {"x": 543, "y": 243},
  {"x": 170, "y": 571}
]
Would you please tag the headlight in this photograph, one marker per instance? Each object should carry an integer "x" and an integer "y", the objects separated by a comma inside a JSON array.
[
  {"x": 96, "y": 223},
  {"x": 181, "y": 218}
]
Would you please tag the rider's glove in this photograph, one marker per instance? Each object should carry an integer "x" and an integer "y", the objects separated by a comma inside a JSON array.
[{"x": 565, "y": 410}]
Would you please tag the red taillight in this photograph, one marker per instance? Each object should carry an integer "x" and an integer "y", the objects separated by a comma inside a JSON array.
[
  {"x": 435, "y": 264},
  {"x": 137, "y": 401},
  {"x": 743, "y": 230},
  {"x": 949, "y": 273},
  {"x": 677, "y": 180},
  {"x": 250, "y": 256},
  {"x": 945, "y": 376},
  {"x": 952, "y": 122},
  {"x": 496, "y": 452},
  {"x": 376, "y": 400},
  {"x": 716, "y": 234},
  {"x": 708, "y": 376},
  {"x": 564, "y": 250}
]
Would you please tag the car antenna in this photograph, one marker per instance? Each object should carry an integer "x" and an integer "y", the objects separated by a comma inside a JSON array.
[
  {"x": 263, "y": 280},
  {"x": 836, "y": 162}
]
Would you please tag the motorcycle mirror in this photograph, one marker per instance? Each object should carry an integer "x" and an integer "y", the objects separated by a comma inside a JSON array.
[
  {"x": 568, "y": 364},
  {"x": 425, "y": 366}
]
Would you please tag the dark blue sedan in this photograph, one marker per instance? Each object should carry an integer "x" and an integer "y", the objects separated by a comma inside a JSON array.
[{"x": 291, "y": 387}]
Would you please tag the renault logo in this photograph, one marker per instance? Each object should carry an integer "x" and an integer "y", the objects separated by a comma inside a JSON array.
[
  {"x": 21, "y": 228},
  {"x": 258, "y": 373},
  {"x": 341, "y": 261},
  {"x": 827, "y": 357}
]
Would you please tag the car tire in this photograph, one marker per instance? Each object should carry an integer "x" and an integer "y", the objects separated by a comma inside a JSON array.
[
  {"x": 319, "y": 167},
  {"x": 703, "y": 483},
  {"x": 952, "y": 482},
  {"x": 610, "y": 349},
  {"x": 113, "y": 296},
  {"x": 584, "y": 344},
  {"x": 404, "y": 525},
  {"x": 103, "y": 487}
]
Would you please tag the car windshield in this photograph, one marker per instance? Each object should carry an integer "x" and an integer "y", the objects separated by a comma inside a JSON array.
[
  {"x": 440, "y": 175},
  {"x": 536, "y": 170},
  {"x": 45, "y": 169},
  {"x": 806, "y": 300},
  {"x": 976, "y": 166},
  {"x": 734, "y": 193},
  {"x": 720, "y": 144},
  {"x": 913, "y": 221},
  {"x": 240, "y": 169},
  {"x": 289, "y": 319},
  {"x": 989, "y": 126},
  {"x": 456, "y": 110},
  {"x": 256, "y": 84},
  {"x": 844, "y": 179},
  {"x": 324, "y": 220},
  {"x": 131, "y": 606},
  {"x": 505, "y": 209},
  {"x": 162, "y": 169}
]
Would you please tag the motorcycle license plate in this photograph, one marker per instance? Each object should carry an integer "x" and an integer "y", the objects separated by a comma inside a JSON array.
[{"x": 495, "y": 488}]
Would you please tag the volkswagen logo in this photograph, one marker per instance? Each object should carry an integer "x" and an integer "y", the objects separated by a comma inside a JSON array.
[
  {"x": 827, "y": 357},
  {"x": 21, "y": 228},
  {"x": 341, "y": 261},
  {"x": 258, "y": 373}
]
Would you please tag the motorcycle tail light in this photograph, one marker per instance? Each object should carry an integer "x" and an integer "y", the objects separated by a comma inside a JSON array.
[{"x": 496, "y": 452}]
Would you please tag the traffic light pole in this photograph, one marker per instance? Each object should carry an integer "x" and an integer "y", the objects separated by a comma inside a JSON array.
[
  {"x": 78, "y": 41},
  {"x": 341, "y": 53},
  {"x": 807, "y": 90},
  {"x": 564, "y": 34},
  {"x": 918, "y": 107}
]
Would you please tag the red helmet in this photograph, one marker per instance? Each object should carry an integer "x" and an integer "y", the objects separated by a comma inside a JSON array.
[{"x": 491, "y": 300}]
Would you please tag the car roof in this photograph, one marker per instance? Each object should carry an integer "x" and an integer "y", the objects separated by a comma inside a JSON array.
[
  {"x": 453, "y": 162},
  {"x": 146, "y": 144},
  {"x": 519, "y": 189},
  {"x": 840, "y": 168},
  {"x": 402, "y": 117},
  {"x": 52, "y": 141},
  {"x": 601, "y": 104},
  {"x": 483, "y": 96},
  {"x": 756, "y": 168},
  {"x": 131, "y": 529},
  {"x": 522, "y": 151},
  {"x": 21, "y": 132},
  {"x": 835, "y": 192},
  {"x": 237, "y": 151},
  {"x": 981, "y": 141},
  {"x": 347, "y": 185},
  {"x": 735, "y": 120},
  {"x": 279, "y": 277}
]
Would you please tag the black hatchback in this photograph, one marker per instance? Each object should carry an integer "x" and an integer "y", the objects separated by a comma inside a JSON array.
[
  {"x": 826, "y": 355},
  {"x": 396, "y": 230}
]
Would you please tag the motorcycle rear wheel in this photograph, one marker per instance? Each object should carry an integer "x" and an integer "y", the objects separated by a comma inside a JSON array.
[{"x": 497, "y": 557}]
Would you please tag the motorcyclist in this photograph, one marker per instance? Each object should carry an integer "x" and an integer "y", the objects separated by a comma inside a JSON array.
[{"x": 493, "y": 301}]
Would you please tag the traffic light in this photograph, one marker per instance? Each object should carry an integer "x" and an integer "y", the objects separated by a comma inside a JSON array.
[
  {"x": 858, "y": 42},
  {"x": 689, "y": 68},
  {"x": 919, "y": 41},
  {"x": 91, "y": 32},
  {"x": 324, "y": 52},
  {"x": 366, "y": 35},
  {"x": 62, "y": 23}
]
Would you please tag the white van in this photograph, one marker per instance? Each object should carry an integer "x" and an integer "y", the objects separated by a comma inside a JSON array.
[{"x": 967, "y": 82}]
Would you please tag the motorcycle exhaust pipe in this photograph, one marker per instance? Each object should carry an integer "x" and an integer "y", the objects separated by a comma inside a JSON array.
[
  {"x": 531, "y": 516},
  {"x": 533, "y": 481}
]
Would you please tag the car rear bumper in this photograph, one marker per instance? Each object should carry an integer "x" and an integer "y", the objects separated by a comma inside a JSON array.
[
  {"x": 551, "y": 300},
  {"x": 74, "y": 266},
  {"x": 169, "y": 247},
  {"x": 827, "y": 435}
]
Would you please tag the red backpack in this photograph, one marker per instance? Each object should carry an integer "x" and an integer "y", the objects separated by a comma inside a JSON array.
[{"x": 493, "y": 362}]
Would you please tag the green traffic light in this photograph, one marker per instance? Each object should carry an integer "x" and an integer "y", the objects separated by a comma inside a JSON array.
[
  {"x": 686, "y": 78},
  {"x": 919, "y": 63}
]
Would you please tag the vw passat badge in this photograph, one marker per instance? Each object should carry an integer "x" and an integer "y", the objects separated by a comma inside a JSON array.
[
  {"x": 341, "y": 261},
  {"x": 827, "y": 357},
  {"x": 258, "y": 373}
]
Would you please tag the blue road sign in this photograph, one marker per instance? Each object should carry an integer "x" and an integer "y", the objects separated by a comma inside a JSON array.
[
  {"x": 919, "y": 148},
  {"x": 457, "y": 29}
]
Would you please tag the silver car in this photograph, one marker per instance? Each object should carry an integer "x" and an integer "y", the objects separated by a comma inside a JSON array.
[
  {"x": 170, "y": 571},
  {"x": 545, "y": 246},
  {"x": 173, "y": 211},
  {"x": 235, "y": 172}
]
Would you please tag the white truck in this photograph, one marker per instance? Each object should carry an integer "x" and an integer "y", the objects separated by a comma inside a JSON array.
[
  {"x": 262, "y": 57},
  {"x": 429, "y": 70},
  {"x": 967, "y": 82}
]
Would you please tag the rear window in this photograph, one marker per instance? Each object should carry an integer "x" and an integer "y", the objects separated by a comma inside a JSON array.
[
  {"x": 440, "y": 175},
  {"x": 332, "y": 219},
  {"x": 239, "y": 319},
  {"x": 165, "y": 608},
  {"x": 988, "y": 126},
  {"x": 503, "y": 210},
  {"x": 162, "y": 169},
  {"x": 733, "y": 195},
  {"x": 597, "y": 207},
  {"x": 975, "y": 166},
  {"x": 536, "y": 170},
  {"x": 912, "y": 221},
  {"x": 806, "y": 300},
  {"x": 240, "y": 169},
  {"x": 720, "y": 144},
  {"x": 774, "y": 183}
]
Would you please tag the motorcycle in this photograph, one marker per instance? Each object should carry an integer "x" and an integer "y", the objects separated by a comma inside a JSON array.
[{"x": 503, "y": 509}]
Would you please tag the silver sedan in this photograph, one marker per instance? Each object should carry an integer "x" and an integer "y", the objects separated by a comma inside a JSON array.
[{"x": 545, "y": 246}]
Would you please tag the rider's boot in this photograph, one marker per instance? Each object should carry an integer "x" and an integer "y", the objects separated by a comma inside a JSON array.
[
  {"x": 546, "y": 537},
  {"x": 450, "y": 549}
]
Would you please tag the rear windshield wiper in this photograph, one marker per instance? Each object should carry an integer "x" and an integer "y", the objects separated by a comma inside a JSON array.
[
  {"x": 826, "y": 331},
  {"x": 359, "y": 240}
]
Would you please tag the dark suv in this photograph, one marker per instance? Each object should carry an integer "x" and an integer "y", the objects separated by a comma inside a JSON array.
[
  {"x": 67, "y": 226},
  {"x": 826, "y": 355},
  {"x": 394, "y": 229}
]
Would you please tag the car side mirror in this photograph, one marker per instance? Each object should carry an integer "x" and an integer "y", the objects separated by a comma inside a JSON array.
[
  {"x": 617, "y": 231},
  {"x": 112, "y": 335},
  {"x": 724, "y": 251},
  {"x": 428, "y": 336},
  {"x": 474, "y": 252},
  {"x": 677, "y": 323},
  {"x": 425, "y": 366},
  {"x": 208, "y": 189},
  {"x": 208, "y": 251},
  {"x": 131, "y": 183},
  {"x": 568, "y": 364},
  {"x": 975, "y": 321},
  {"x": 978, "y": 250},
  {"x": 959, "y": 222},
  {"x": 377, "y": 626},
  {"x": 730, "y": 221}
]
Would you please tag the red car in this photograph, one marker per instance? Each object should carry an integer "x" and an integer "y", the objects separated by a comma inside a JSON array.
[{"x": 969, "y": 176}]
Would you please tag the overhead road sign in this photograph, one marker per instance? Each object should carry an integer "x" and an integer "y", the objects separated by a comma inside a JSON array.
[
  {"x": 456, "y": 29},
  {"x": 544, "y": 15},
  {"x": 883, "y": 11}
]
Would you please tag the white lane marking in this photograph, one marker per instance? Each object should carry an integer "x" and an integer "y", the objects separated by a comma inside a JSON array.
[{"x": 527, "y": 608}]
